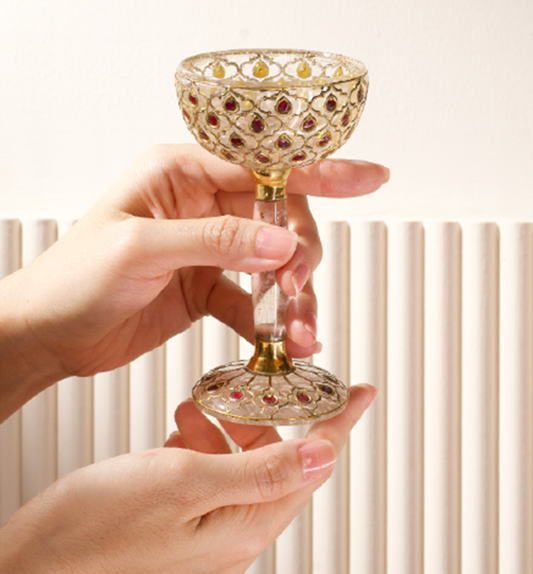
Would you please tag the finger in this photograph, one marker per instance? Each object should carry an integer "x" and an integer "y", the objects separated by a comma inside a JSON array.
[
  {"x": 338, "y": 178},
  {"x": 261, "y": 475},
  {"x": 295, "y": 274},
  {"x": 301, "y": 323},
  {"x": 175, "y": 440},
  {"x": 250, "y": 437},
  {"x": 335, "y": 432},
  {"x": 327, "y": 178},
  {"x": 338, "y": 428},
  {"x": 188, "y": 165},
  {"x": 232, "y": 305},
  {"x": 154, "y": 246},
  {"x": 197, "y": 432},
  {"x": 286, "y": 472}
]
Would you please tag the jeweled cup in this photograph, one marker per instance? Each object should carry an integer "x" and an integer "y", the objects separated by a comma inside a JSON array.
[{"x": 271, "y": 111}]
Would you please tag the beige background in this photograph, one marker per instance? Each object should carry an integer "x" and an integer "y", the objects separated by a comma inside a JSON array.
[{"x": 87, "y": 86}]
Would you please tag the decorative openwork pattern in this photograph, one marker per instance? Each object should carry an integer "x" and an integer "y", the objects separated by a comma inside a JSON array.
[
  {"x": 271, "y": 108},
  {"x": 271, "y": 111},
  {"x": 234, "y": 392}
]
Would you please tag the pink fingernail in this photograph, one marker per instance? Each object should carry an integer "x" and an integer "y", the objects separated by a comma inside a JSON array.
[
  {"x": 305, "y": 331},
  {"x": 310, "y": 324},
  {"x": 317, "y": 458},
  {"x": 275, "y": 243},
  {"x": 300, "y": 277}
]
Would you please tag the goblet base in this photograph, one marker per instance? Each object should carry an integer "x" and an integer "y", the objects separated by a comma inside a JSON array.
[{"x": 306, "y": 394}]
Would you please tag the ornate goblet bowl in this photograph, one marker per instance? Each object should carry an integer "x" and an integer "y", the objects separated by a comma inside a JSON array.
[{"x": 271, "y": 111}]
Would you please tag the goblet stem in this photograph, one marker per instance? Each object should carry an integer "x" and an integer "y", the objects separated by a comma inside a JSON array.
[{"x": 269, "y": 301}]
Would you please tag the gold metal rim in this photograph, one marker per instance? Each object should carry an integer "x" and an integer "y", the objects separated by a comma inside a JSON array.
[
  {"x": 186, "y": 68},
  {"x": 271, "y": 421}
]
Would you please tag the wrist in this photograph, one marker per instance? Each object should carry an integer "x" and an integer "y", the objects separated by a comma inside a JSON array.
[{"x": 27, "y": 367}]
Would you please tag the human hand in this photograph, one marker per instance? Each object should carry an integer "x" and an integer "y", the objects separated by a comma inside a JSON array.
[
  {"x": 147, "y": 261},
  {"x": 181, "y": 509}
]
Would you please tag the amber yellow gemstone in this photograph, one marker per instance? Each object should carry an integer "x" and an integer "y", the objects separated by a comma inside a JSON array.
[
  {"x": 303, "y": 70},
  {"x": 218, "y": 70},
  {"x": 339, "y": 72},
  {"x": 260, "y": 69}
]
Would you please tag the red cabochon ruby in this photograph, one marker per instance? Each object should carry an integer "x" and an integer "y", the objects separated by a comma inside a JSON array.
[
  {"x": 331, "y": 104},
  {"x": 230, "y": 104},
  {"x": 284, "y": 106},
  {"x": 237, "y": 141},
  {"x": 325, "y": 140},
  {"x": 283, "y": 142},
  {"x": 270, "y": 399},
  {"x": 308, "y": 124},
  {"x": 258, "y": 125}
]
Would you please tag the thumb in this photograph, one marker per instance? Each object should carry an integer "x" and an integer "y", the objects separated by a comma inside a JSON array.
[
  {"x": 227, "y": 241},
  {"x": 265, "y": 474}
]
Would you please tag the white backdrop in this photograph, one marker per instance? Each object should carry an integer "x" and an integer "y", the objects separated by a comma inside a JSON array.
[{"x": 85, "y": 87}]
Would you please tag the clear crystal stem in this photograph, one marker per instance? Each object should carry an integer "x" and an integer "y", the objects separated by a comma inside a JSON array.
[{"x": 269, "y": 301}]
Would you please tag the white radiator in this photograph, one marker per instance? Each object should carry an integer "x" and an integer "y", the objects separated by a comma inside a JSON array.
[{"x": 438, "y": 476}]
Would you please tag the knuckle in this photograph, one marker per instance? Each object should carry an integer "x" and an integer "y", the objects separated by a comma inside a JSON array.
[
  {"x": 130, "y": 242},
  {"x": 270, "y": 476},
  {"x": 157, "y": 151},
  {"x": 225, "y": 235}
]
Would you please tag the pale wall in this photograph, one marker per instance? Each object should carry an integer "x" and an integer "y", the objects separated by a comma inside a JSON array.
[{"x": 85, "y": 87}]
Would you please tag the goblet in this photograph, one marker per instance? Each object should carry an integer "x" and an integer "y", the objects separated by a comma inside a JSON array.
[{"x": 271, "y": 111}]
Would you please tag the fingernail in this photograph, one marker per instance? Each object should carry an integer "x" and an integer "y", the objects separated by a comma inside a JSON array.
[
  {"x": 304, "y": 331},
  {"x": 317, "y": 458},
  {"x": 300, "y": 277},
  {"x": 310, "y": 324},
  {"x": 386, "y": 173},
  {"x": 275, "y": 243}
]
